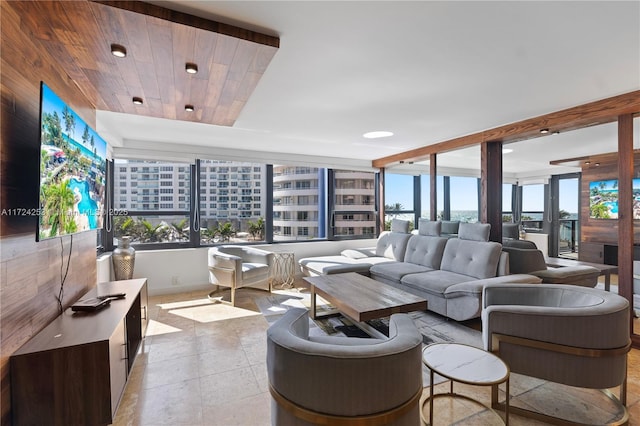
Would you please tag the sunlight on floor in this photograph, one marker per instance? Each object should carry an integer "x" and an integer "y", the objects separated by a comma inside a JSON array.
[{"x": 156, "y": 328}]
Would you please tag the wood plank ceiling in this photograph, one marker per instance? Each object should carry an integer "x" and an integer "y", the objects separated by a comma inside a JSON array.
[{"x": 159, "y": 43}]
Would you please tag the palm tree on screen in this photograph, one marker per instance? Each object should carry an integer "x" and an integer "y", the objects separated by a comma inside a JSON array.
[{"x": 58, "y": 209}]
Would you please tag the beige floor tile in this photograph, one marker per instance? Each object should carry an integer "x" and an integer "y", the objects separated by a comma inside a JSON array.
[
  {"x": 250, "y": 411},
  {"x": 177, "y": 404},
  {"x": 171, "y": 350},
  {"x": 215, "y": 362},
  {"x": 203, "y": 363},
  {"x": 228, "y": 386},
  {"x": 170, "y": 371}
]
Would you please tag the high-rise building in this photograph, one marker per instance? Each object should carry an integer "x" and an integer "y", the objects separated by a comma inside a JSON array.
[{"x": 232, "y": 191}]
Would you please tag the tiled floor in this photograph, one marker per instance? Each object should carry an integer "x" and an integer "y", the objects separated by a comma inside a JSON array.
[{"x": 203, "y": 363}]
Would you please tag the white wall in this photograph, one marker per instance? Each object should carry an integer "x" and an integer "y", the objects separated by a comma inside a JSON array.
[{"x": 182, "y": 270}]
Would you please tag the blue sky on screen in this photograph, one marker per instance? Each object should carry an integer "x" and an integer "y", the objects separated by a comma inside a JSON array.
[{"x": 51, "y": 102}]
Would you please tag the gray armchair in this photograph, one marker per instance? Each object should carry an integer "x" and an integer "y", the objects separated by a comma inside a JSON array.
[
  {"x": 562, "y": 333},
  {"x": 343, "y": 380},
  {"x": 239, "y": 266},
  {"x": 531, "y": 261}
]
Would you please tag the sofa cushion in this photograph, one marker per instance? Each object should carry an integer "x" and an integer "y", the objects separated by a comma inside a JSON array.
[
  {"x": 523, "y": 261},
  {"x": 392, "y": 245},
  {"x": 394, "y": 271},
  {"x": 325, "y": 265},
  {"x": 251, "y": 271},
  {"x": 425, "y": 250},
  {"x": 399, "y": 225},
  {"x": 474, "y": 231},
  {"x": 435, "y": 282},
  {"x": 511, "y": 230},
  {"x": 522, "y": 244},
  {"x": 358, "y": 253},
  {"x": 478, "y": 259},
  {"x": 429, "y": 227}
]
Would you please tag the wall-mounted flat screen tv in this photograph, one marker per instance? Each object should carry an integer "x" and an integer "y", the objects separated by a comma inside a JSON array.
[
  {"x": 72, "y": 170},
  {"x": 603, "y": 199}
]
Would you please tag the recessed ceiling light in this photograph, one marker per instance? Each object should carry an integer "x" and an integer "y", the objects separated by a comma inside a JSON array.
[
  {"x": 377, "y": 134},
  {"x": 136, "y": 100},
  {"x": 118, "y": 50},
  {"x": 587, "y": 162},
  {"x": 557, "y": 132},
  {"x": 188, "y": 108},
  {"x": 191, "y": 68},
  {"x": 544, "y": 131},
  {"x": 507, "y": 150}
]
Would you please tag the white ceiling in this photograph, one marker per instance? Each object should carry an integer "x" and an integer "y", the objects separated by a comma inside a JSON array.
[{"x": 427, "y": 71}]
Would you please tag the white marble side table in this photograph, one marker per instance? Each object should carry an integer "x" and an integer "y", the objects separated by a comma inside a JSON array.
[
  {"x": 464, "y": 364},
  {"x": 283, "y": 270}
]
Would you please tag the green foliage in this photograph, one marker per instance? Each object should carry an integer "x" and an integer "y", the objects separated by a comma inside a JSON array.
[
  {"x": 393, "y": 207},
  {"x": 52, "y": 130},
  {"x": 58, "y": 208},
  {"x": 207, "y": 235},
  {"x": 600, "y": 211},
  {"x": 256, "y": 229},
  {"x": 181, "y": 229},
  {"x": 225, "y": 231},
  {"x": 507, "y": 218}
]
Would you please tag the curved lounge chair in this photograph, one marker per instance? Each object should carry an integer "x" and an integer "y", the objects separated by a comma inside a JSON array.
[{"x": 342, "y": 380}]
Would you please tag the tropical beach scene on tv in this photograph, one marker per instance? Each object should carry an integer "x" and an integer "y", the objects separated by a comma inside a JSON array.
[
  {"x": 603, "y": 199},
  {"x": 72, "y": 170}
]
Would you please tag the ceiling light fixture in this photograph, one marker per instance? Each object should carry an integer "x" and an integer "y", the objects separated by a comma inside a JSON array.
[
  {"x": 377, "y": 134},
  {"x": 557, "y": 132},
  {"x": 544, "y": 131},
  {"x": 597, "y": 164},
  {"x": 188, "y": 108},
  {"x": 191, "y": 68},
  {"x": 118, "y": 50},
  {"x": 587, "y": 162},
  {"x": 137, "y": 101}
]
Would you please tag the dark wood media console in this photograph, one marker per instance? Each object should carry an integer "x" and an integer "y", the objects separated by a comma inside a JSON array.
[{"x": 74, "y": 371}]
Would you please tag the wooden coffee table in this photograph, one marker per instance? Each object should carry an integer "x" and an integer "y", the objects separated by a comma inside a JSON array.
[{"x": 361, "y": 298}]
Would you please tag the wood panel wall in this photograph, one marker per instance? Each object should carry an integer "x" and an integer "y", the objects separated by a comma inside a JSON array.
[
  {"x": 602, "y": 230},
  {"x": 30, "y": 271}
]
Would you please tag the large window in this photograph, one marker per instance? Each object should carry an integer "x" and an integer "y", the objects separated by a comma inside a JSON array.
[
  {"x": 232, "y": 208},
  {"x": 398, "y": 198},
  {"x": 507, "y": 200},
  {"x": 167, "y": 204},
  {"x": 151, "y": 201},
  {"x": 532, "y": 215},
  {"x": 464, "y": 198},
  {"x": 354, "y": 210},
  {"x": 299, "y": 203}
]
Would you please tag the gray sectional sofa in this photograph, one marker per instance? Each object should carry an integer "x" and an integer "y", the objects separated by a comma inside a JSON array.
[
  {"x": 449, "y": 272},
  {"x": 391, "y": 246}
]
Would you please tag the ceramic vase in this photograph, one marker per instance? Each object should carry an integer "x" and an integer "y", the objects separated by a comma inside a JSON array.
[{"x": 123, "y": 259}]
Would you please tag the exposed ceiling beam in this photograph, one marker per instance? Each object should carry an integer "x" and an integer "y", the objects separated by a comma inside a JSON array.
[{"x": 586, "y": 115}]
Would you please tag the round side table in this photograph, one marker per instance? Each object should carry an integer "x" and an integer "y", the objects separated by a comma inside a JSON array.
[
  {"x": 464, "y": 364},
  {"x": 283, "y": 269}
]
